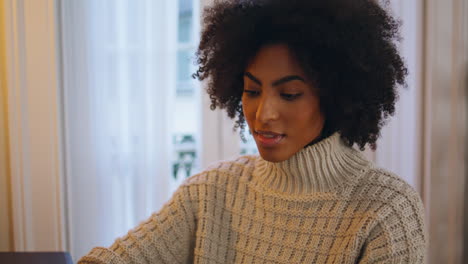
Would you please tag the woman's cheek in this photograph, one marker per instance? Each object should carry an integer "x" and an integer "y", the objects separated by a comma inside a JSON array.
[{"x": 249, "y": 111}]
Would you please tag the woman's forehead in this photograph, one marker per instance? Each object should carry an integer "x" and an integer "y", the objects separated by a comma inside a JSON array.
[{"x": 275, "y": 61}]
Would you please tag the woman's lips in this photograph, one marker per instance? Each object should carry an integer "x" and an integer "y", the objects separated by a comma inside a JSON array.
[{"x": 268, "y": 141}]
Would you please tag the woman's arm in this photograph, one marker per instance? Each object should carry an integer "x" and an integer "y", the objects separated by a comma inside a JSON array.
[
  {"x": 166, "y": 237},
  {"x": 400, "y": 236}
]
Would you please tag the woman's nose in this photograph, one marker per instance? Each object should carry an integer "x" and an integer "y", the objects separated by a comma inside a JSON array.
[{"x": 267, "y": 110}]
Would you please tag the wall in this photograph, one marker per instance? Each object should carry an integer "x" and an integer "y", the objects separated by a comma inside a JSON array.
[{"x": 444, "y": 133}]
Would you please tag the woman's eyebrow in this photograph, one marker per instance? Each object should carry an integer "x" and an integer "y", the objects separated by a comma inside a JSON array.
[
  {"x": 253, "y": 78},
  {"x": 277, "y": 82}
]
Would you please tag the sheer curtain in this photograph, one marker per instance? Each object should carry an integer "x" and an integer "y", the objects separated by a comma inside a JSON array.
[{"x": 120, "y": 76}]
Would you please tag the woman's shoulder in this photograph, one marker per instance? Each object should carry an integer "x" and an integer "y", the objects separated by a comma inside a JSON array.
[
  {"x": 219, "y": 171},
  {"x": 390, "y": 190},
  {"x": 398, "y": 211},
  {"x": 389, "y": 181}
]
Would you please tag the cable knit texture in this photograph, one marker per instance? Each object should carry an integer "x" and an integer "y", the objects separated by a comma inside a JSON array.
[{"x": 326, "y": 204}]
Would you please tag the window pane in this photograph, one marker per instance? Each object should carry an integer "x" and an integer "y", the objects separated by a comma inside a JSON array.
[
  {"x": 185, "y": 136},
  {"x": 133, "y": 19},
  {"x": 184, "y": 63},
  {"x": 185, "y": 20},
  {"x": 184, "y": 71}
]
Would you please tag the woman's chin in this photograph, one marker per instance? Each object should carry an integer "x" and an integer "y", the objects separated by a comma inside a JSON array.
[{"x": 272, "y": 155}]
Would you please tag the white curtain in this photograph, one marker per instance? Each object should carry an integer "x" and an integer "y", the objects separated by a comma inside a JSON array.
[
  {"x": 399, "y": 147},
  {"x": 119, "y": 74}
]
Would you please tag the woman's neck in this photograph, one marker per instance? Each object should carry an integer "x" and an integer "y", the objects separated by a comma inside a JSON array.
[
  {"x": 326, "y": 132},
  {"x": 317, "y": 168}
]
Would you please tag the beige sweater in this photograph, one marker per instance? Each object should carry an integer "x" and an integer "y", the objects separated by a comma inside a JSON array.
[{"x": 326, "y": 204}]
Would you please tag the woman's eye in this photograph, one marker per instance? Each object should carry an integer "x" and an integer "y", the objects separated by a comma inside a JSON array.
[
  {"x": 251, "y": 92},
  {"x": 290, "y": 96}
]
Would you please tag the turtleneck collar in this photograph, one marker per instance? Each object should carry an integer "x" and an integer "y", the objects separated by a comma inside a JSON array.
[{"x": 316, "y": 168}]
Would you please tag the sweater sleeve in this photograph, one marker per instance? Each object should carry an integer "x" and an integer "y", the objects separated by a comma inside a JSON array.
[
  {"x": 168, "y": 236},
  {"x": 400, "y": 236}
]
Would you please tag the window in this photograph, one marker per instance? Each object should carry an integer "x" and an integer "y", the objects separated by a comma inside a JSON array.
[
  {"x": 132, "y": 111},
  {"x": 186, "y": 119}
]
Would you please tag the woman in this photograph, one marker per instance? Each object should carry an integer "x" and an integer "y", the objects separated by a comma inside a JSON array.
[{"x": 311, "y": 78}]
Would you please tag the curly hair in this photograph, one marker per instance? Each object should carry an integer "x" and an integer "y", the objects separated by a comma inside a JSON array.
[{"x": 347, "y": 47}]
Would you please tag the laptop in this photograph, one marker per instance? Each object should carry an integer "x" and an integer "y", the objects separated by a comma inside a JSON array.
[{"x": 35, "y": 258}]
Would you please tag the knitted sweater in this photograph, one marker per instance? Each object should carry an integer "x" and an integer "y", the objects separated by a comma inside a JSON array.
[{"x": 326, "y": 204}]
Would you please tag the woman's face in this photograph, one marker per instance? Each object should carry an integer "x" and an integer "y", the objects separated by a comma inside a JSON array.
[{"x": 280, "y": 105}]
